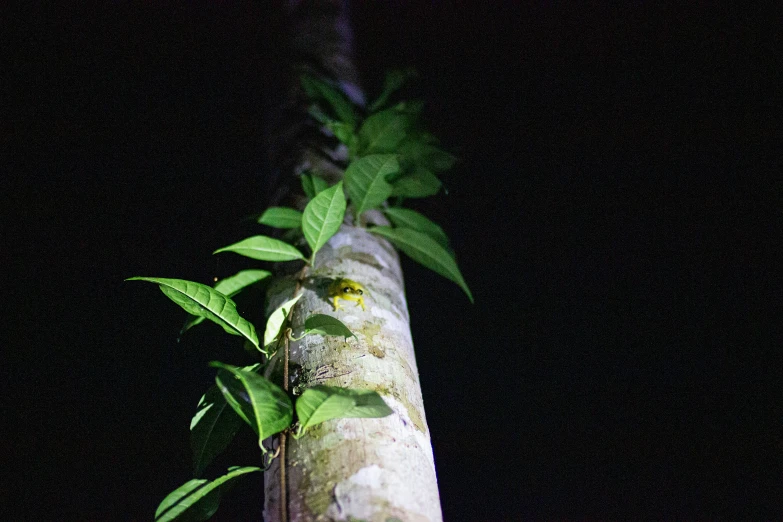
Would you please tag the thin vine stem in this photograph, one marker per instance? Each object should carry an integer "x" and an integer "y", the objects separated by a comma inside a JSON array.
[
  {"x": 283, "y": 485},
  {"x": 284, "y": 434}
]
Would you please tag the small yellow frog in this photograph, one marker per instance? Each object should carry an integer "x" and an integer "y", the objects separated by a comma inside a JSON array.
[{"x": 346, "y": 289}]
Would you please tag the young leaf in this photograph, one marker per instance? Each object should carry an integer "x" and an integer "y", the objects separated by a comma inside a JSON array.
[
  {"x": 392, "y": 82},
  {"x": 323, "y": 216},
  {"x": 407, "y": 218},
  {"x": 281, "y": 217},
  {"x": 417, "y": 184},
  {"x": 263, "y": 405},
  {"x": 212, "y": 428},
  {"x": 322, "y": 403},
  {"x": 276, "y": 320},
  {"x": 197, "y": 499},
  {"x": 326, "y": 325},
  {"x": 229, "y": 287},
  {"x": 316, "y": 89},
  {"x": 365, "y": 180},
  {"x": 203, "y": 301},
  {"x": 263, "y": 248},
  {"x": 383, "y": 132},
  {"x": 425, "y": 250}
]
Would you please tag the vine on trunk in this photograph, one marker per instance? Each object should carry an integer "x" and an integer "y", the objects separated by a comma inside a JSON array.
[{"x": 389, "y": 157}]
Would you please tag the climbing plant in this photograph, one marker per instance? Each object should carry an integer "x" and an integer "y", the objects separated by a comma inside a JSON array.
[{"x": 390, "y": 159}]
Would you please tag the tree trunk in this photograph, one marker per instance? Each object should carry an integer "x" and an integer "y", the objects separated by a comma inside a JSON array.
[{"x": 348, "y": 469}]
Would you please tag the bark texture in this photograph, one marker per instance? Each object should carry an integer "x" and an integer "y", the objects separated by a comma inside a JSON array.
[
  {"x": 366, "y": 469},
  {"x": 348, "y": 469}
]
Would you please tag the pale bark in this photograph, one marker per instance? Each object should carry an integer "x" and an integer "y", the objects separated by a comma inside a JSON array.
[
  {"x": 348, "y": 469},
  {"x": 367, "y": 469}
]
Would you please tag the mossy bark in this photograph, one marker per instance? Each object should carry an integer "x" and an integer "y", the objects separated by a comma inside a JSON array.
[
  {"x": 347, "y": 469},
  {"x": 365, "y": 469}
]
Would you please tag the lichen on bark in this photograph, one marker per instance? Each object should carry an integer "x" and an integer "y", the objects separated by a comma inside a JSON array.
[{"x": 325, "y": 467}]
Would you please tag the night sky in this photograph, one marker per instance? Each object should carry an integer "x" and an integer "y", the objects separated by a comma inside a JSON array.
[{"x": 616, "y": 212}]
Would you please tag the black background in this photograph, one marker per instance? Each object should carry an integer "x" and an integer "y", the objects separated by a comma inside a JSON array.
[{"x": 616, "y": 212}]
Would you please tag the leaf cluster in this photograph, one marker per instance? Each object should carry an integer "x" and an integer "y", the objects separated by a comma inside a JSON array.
[
  {"x": 243, "y": 395},
  {"x": 390, "y": 156}
]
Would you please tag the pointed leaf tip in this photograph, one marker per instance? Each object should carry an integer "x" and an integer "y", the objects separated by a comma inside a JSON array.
[
  {"x": 407, "y": 218},
  {"x": 197, "y": 499},
  {"x": 321, "y": 403},
  {"x": 281, "y": 217},
  {"x": 326, "y": 325},
  {"x": 424, "y": 250},
  {"x": 264, "y": 248},
  {"x": 323, "y": 216}
]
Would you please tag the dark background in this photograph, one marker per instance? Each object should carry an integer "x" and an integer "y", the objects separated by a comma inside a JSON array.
[{"x": 616, "y": 212}]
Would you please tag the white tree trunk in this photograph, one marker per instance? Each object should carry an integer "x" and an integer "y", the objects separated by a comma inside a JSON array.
[
  {"x": 347, "y": 469},
  {"x": 366, "y": 469}
]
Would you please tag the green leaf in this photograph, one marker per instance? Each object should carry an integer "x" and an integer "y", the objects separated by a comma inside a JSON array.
[
  {"x": 281, "y": 217},
  {"x": 342, "y": 131},
  {"x": 264, "y": 248},
  {"x": 318, "y": 114},
  {"x": 368, "y": 405},
  {"x": 307, "y": 185},
  {"x": 438, "y": 159},
  {"x": 392, "y": 82},
  {"x": 326, "y": 325},
  {"x": 263, "y": 405},
  {"x": 407, "y": 218},
  {"x": 316, "y": 89},
  {"x": 420, "y": 183},
  {"x": 212, "y": 428},
  {"x": 319, "y": 184},
  {"x": 323, "y": 216},
  {"x": 190, "y": 323},
  {"x": 383, "y": 132},
  {"x": 203, "y": 301},
  {"x": 230, "y": 286},
  {"x": 313, "y": 185},
  {"x": 426, "y": 155},
  {"x": 421, "y": 136},
  {"x": 276, "y": 320},
  {"x": 412, "y": 107},
  {"x": 425, "y": 250},
  {"x": 322, "y": 403},
  {"x": 365, "y": 180},
  {"x": 198, "y": 499}
]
